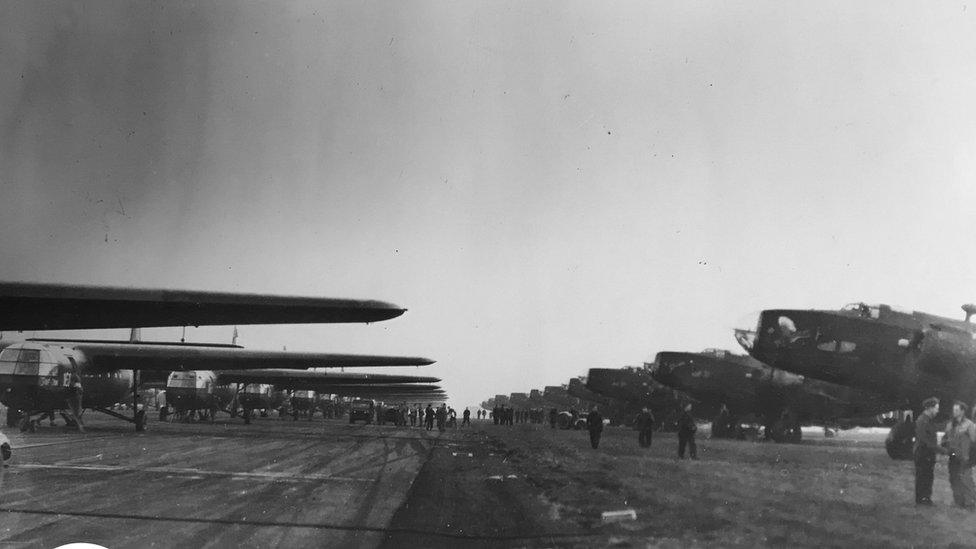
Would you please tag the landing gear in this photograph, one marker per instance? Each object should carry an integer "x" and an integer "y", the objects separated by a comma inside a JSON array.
[
  {"x": 786, "y": 430},
  {"x": 140, "y": 420},
  {"x": 247, "y": 416},
  {"x": 27, "y": 424},
  {"x": 901, "y": 440}
]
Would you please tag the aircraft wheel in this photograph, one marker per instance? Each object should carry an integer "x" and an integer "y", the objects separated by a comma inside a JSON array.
[
  {"x": 247, "y": 416},
  {"x": 140, "y": 420},
  {"x": 901, "y": 441}
]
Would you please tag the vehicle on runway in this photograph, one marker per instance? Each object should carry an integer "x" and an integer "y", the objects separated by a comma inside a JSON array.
[
  {"x": 44, "y": 375},
  {"x": 736, "y": 389},
  {"x": 362, "y": 410}
]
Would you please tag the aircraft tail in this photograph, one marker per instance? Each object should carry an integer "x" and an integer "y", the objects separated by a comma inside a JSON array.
[{"x": 135, "y": 336}]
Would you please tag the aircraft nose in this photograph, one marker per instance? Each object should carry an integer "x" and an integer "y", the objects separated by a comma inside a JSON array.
[
  {"x": 746, "y": 331},
  {"x": 663, "y": 369}
]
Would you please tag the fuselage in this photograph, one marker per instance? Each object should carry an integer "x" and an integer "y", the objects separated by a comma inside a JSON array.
[
  {"x": 905, "y": 356},
  {"x": 745, "y": 386},
  {"x": 198, "y": 390},
  {"x": 36, "y": 377}
]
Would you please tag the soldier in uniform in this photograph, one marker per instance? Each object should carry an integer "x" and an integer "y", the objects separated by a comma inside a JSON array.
[
  {"x": 959, "y": 438},
  {"x": 686, "y": 434},
  {"x": 594, "y": 424},
  {"x": 926, "y": 448},
  {"x": 429, "y": 417},
  {"x": 645, "y": 427},
  {"x": 442, "y": 417}
]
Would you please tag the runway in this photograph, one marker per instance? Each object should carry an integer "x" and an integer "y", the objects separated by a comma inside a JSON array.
[
  {"x": 273, "y": 483},
  {"x": 329, "y": 484}
]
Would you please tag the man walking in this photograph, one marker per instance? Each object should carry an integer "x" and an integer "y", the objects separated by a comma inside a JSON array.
[
  {"x": 594, "y": 424},
  {"x": 466, "y": 418},
  {"x": 429, "y": 417},
  {"x": 960, "y": 436},
  {"x": 645, "y": 427},
  {"x": 686, "y": 434},
  {"x": 926, "y": 448}
]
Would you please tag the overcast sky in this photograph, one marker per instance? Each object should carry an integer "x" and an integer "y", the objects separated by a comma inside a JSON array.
[{"x": 547, "y": 186}]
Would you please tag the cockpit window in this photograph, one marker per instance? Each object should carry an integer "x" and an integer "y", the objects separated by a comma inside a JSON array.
[{"x": 864, "y": 310}]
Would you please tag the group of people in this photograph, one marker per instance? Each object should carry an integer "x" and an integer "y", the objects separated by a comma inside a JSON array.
[
  {"x": 506, "y": 415},
  {"x": 442, "y": 417},
  {"x": 958, "y": 443},
  {"x": 644, "y": 424}
]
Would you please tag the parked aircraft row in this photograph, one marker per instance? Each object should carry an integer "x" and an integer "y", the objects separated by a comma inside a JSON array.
[
  {"x": 43, "y": 375},
  {"x": 858, "y": 365}
]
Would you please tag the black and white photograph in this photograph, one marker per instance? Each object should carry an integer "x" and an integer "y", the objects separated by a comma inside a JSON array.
[{"x": 526, "y": 274}]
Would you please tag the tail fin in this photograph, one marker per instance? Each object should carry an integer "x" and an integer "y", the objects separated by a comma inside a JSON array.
[
  {"x": 135, "y": 336},
  {"x": 233, "y": 340}
]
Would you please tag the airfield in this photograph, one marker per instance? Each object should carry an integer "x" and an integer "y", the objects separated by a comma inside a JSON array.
[{"x": 326, "y": 483}]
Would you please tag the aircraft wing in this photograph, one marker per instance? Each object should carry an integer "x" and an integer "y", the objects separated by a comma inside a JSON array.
[
  {"x": 29, "y": 306},
  {"x": 313, "y": 381},
  {"x": 108, "y": 356}
]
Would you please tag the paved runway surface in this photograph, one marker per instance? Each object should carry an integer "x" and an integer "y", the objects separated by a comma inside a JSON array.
[{"x": 273, "y": 483}]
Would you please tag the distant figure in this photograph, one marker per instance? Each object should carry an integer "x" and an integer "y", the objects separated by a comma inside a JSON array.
[
  {"x": 466, "y": 418},
  {"x": 686, "y": 434},
  {"x": 494, "y": 414},
  {"x": 645, "y": 427},
  {"x": 594, "y": 424},
  {"x": 5, "y": 451},
  {"x": 553, "y": 415},
  {"x": 926, "y": 447},
  {"x": 429, "y": 417},
  {"x": 76, "y": 394},
  {"x": 960, "y": 437},
  {"x": 413, "y": 416},
  {"x": 442, "y": 417}
]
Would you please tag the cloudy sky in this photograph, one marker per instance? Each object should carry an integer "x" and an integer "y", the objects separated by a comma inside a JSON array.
[{"x": 547, "y": 186}]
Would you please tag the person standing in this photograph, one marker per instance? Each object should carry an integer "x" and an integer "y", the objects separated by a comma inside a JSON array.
[
  {"x": 553, "y": 416},
  {"x": 594, "y": 424},
  {"x": 413, "y": 416},
  {"x": 466, "y": 418},
  {"x": 926, "y": 448},
  {"x": 75, "y": 398},
  {"x": 429, "y": 417},
  {"x": 442, "y": 417},
  {"x": 5, "y": 450},
  {"x": 645, "y": 427},
  {"x": 959, "y": 438},
  {"x": 686, "y": 434}
]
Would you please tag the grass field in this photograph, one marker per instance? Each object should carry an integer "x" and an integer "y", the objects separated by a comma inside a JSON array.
[{"x": 842, "y": 491}]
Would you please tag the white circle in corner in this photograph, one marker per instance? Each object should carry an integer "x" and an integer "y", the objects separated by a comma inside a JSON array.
[{"x": 80, "y": 545}]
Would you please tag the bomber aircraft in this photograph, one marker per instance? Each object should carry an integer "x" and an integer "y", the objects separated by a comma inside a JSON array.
[
  {"x": 731, "y": 388},
  {"x": 902, "y": 355},
  {"x": 637, "y": 388},
  {"x": 43, "y": 375}
]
